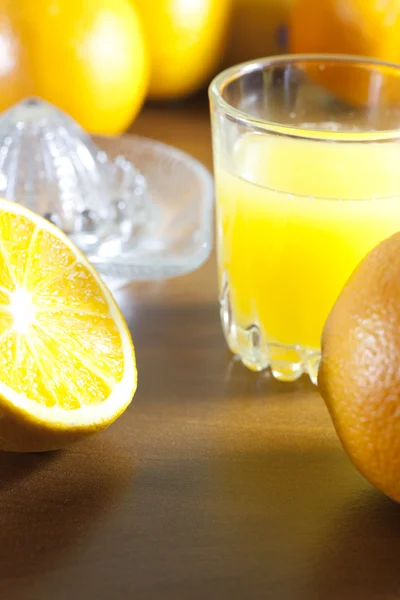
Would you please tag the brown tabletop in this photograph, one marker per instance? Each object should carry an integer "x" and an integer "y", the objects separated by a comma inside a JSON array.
[{"x": 215, "y": 484}]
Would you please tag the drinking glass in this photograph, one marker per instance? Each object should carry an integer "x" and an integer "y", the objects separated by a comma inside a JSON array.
[{"x": 307, "y": 174}]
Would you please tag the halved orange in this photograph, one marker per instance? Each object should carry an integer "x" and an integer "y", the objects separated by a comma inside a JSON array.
[{"x": 67, "y": 362}]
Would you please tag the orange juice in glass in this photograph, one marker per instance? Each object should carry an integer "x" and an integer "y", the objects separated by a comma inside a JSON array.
[{"x": 307, "y": 182}]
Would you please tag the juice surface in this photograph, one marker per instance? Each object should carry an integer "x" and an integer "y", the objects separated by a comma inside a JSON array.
[{"x": 295, "y": 217}]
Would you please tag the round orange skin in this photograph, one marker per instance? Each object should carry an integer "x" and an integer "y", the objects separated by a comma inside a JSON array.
[
  {"x": 186, "y": 41},
  {"x": 354, "y": 27},
  {"x": 358, "y": 27},
  {"x": 359, "y": 376},
  {"x": 87, "y": 57}
]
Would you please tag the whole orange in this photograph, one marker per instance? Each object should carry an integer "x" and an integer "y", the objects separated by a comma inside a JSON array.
[
  {"x": 359, "y": 376},
  {"x": 186, "y": 40},
  {"x": 361, "y": 27},
  {"x": 356, "y": 27},
  {"x": 86, "y": 56}
]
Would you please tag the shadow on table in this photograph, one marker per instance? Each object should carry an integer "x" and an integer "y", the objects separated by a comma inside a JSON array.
[
  {"x": 360, "y": 556},
  {"x": 15, "y": 467},
  {"x": 49, "y": 503}
]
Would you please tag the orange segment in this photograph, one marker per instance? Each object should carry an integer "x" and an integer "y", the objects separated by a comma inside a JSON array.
[
  {"x": 16, "y": 237},
  {"x": 67, "y": 365},
  {"x": 29, "y": 376},
  {"x": 74, "y": 287},
  {"x": 98, "y": 333},
  {"x": 69, "y": 377},
  {"x": 48, "y": 257}
]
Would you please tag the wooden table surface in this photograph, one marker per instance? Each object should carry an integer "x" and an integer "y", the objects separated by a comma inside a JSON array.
[{"x": 215, "y": 484}]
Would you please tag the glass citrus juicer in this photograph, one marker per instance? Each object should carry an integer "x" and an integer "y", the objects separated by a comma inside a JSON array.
[{"x": 138, "y": 208}]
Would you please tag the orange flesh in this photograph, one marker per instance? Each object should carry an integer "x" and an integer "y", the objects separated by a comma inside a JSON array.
[{"x": 57, "y": 336}]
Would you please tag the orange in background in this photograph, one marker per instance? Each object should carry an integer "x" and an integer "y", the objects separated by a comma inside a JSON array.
[
  {"x": 361, "y": 27},
  {"x": 358, "y": 27},
  {"x": 89, "y": 58},
  {"x": 186, "y": 40}
]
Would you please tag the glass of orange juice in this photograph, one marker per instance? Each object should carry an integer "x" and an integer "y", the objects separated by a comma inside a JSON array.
[{"x": 307, "y": 173}]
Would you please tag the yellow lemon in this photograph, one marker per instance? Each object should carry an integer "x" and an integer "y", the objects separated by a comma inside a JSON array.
[
  {"x": 67, "y": 363},
  {"x": 89, "y": 58}
]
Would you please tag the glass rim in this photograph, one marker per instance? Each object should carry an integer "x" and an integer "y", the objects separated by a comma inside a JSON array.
[{"x": 230, "y": 74}]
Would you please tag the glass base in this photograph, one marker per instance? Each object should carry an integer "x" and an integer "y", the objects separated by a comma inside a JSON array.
[{"x": 286, "y": 363}]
